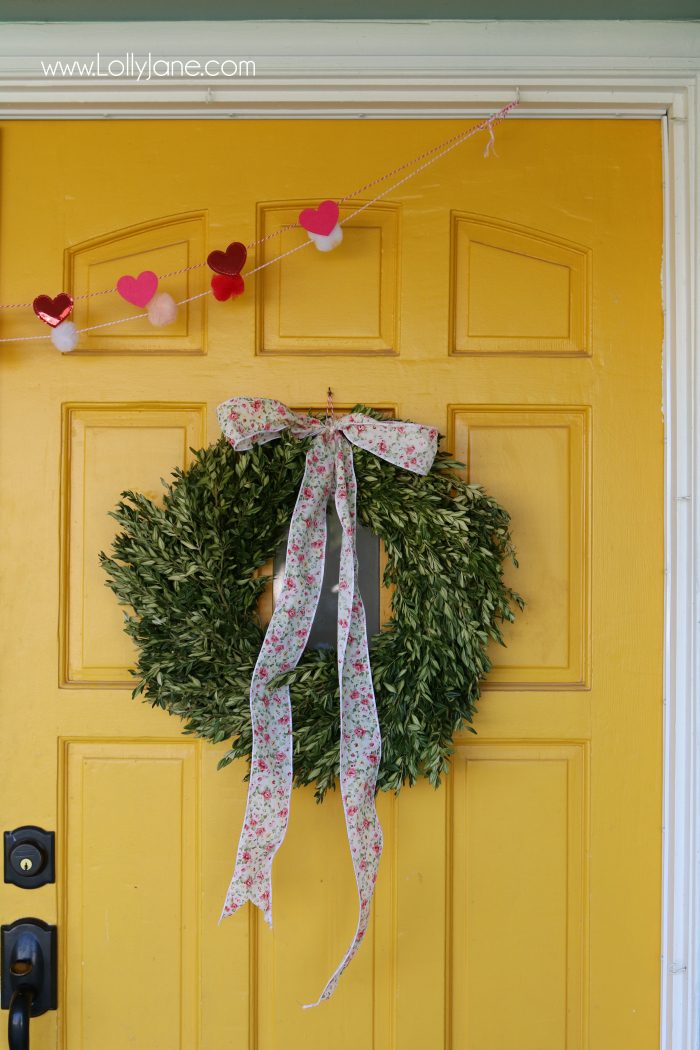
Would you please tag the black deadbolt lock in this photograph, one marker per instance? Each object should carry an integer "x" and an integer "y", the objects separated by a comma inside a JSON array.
[{"x": 29, "y": 857}]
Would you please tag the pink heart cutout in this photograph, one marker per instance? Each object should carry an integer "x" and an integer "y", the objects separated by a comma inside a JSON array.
[
  {"x": 320, "y": 220},
  {"x": 138, "y": 290}
]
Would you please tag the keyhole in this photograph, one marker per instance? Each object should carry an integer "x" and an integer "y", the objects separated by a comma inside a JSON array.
[
  {"x": 25, "y": 864},
  {"x": 20, "y": 967}
]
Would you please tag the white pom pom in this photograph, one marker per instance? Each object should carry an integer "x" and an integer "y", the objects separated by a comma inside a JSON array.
[
  {"x": 162, "y": 310},
  {"x": 65, "y": 336},
  {"x": 327, "y": 242}
]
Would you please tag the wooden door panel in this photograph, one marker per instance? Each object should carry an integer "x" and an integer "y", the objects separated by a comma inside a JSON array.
[
  {"x": 517, "y": 291},
  {"x": 131, "y": 924},
  {"x": 535, "y": 461},
  {"x": 165, "y": 245},
  {"x": 108, "y": 449},
  {"x": 353, "y": 307},
  {"x": 519, "y": 890}
]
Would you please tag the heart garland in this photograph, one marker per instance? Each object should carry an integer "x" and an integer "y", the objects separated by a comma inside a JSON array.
[
  {"x": 141, "y": 291},
  {"x": 138, "y": 290},
  {"x": 53, "y": 311},
  {"x": 227, "y": 266},
  {"x": 321, "y": 220},
  {"x": 322, "y": 225},
  {"x": 224, "y": 287}
]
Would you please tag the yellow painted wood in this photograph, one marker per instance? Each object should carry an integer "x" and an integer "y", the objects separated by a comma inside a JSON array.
[
  {"x": 113, "y": 886},
  {"x": 543, "y": 281},
  {"x": 135, "y": 440},
  {"x": 524, "y": 868},
  {"x": 514, "y": 303},
  {"x": 546, "y": 489}
]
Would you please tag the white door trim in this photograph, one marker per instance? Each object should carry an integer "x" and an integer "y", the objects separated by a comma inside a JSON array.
[
  {"x": 441, "y": 69},
  {"x": 353, "y": 68}
]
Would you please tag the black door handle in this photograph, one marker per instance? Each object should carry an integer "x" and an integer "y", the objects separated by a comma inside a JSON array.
[
  {"x": 28, "y": 976},
  {"x": 18, "y": 1024}
]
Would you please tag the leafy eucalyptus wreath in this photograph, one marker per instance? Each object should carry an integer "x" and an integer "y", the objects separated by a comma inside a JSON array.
[{"x": 189, "y": 572}]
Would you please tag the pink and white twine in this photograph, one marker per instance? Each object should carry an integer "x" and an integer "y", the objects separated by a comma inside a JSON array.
[{"x": 329, "y": 471}]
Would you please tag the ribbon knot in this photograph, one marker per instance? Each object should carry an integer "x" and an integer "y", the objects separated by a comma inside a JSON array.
[{"x": 328, "y": 472}]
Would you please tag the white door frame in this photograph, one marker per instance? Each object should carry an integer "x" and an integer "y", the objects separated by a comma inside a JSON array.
[{"x": 467, "y": 69}]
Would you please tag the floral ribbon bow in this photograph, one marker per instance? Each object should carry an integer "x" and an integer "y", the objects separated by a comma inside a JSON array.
[{"x": 328, "y": 472}]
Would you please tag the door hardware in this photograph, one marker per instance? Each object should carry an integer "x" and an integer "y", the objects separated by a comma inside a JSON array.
[
  {"x": 28, "y": 949},
  {"x": 30, "y": 857}
]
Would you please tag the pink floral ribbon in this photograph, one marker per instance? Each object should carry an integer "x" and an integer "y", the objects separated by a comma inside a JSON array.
[{"x": 328, "y": 472}]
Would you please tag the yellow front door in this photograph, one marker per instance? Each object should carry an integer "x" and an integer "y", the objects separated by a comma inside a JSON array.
[{"x": 513, "y": 302}]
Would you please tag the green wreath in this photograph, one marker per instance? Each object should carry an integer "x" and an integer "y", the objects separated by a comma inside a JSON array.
[{"x": 189, "y": 572}]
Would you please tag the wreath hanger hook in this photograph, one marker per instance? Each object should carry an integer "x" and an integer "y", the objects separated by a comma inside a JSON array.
[{"x": 330, "y": 411}]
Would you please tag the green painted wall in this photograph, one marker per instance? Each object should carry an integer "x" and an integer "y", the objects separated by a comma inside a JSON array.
[{"x": 172, "y": 10}]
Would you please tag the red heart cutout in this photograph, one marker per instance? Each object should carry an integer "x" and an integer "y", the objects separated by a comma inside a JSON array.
[
  {"x": 225, "y": 287},
  {"x": 320, "y": 220},
  {"x": 230, "y": 262},
  {"x": 53, "y": 311}
]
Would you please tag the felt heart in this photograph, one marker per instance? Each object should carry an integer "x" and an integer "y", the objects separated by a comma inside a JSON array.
[
  {"x": 230, "y": 262},
  {"x": 53, "y": 311},
  {"x": 225, "y": 287},
  {"x": 320, "y": 220},
  {"x": 138, "y": 290}
]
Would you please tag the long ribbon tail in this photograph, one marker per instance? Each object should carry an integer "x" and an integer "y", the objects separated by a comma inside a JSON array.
[
  {"x": 360, "y": 740},
  {"x": 270, "y": 785}
]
